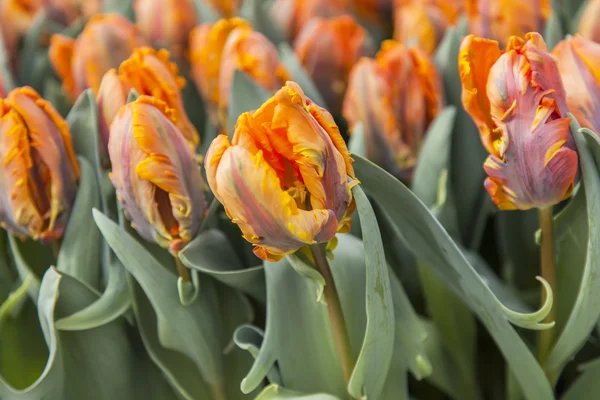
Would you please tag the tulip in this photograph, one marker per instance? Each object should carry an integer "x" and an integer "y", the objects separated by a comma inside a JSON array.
[
  {"x": 292, "y": 15},
  {"x": 501, "y": 19},
  {"x": 112, "y": 95},
  {"x": 375, "y": 12},
  {"x": 395, "y": 96},
  {"x": 588, "y": 25},
  {"x": 2, "y": 87},
  {"x": 328, "y": 48},
  {"x": 155, "y": 174},
  {"x": 16, "y": 17},
  {"x": 227, "y": 8},
  {"x": 284, "y": 178},
  {"x": 217, "y": 50},
  {"x": 578, "y": 60},
  {"x": 518, "y": 102},
  {"x": 423, "y": 23},
  {"x": 39, "y": 172},
  {"x": 105, "y": 42},
  {"x": 166, "y": 23}
]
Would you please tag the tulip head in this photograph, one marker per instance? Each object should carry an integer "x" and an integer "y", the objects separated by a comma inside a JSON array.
[
  {"x": 578, "y": 63},
  {"x": 112, "y": 95},
  {"x": 227, "y": 8},
  {"x": 16, "y": 16},
  {"x": 328, "y": 48},
  {"x": 395, "y": 97},
  {"x": 518, "y": 102},
  {"x": 105, "y": 42},
  {"x": 588, "y": 25},
  {"x": 217, "y": 50},
  {"x": 500, "y": 19},
  {"x": 155, "y": 174},
  {"x": 424, "y": 23},
  {"x": 39, "y": 172},
  {"x": 166, "y": 23},
  {"x": 286, "y": 176},
  {"x": 292, "y": 15}
]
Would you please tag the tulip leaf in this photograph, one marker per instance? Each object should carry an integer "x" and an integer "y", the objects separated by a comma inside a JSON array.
[
  {"x": 553, "y": 30},
  {"x": 276, "y": 392},
  {"x": 356, "y": 144},
  {"x": 586, "y": 310},
  {"x": 211, "y": 253},
  {"x": 245, "y": 95},
  {"x": 258, "y": 12},
  {"x": 309, "y": 272},
  {"x": 587, "y": 386},
  {"x": 6, "y": 78},
  {"x": 250, "y": 338},
  {"x": 30, "y": 257},
  {"x": 311, "y": 364},
  {"x": 79, "y": 363},
  {"x": 79, "y": 255},
  {"x": 206, "y": 13},
  {"x": 123, "y": 7},
  {"x": 467, "y": 154},
  {"x": 424, "y": 236},
  {"x": 299, "y": 74},
  {"x": 193, "y": 329},
  {"x": 372, "y": 365},
  {"x": 83, "y": 125}
]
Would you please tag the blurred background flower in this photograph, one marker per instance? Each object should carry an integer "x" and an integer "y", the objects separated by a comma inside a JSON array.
[
  {"x": 292, "y": 15},
  {"x": 588, "y": 25}
]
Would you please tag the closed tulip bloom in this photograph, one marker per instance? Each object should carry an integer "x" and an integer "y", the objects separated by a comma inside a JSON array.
[
  {"x": 328, "y": 48},
  {"x": 155, "y": 174},
  {"x": 39, "y": 172},
  {"x": 588, "y": 25},
  {"x": 518, "y": 102},
  {"x": 292, "y": 15},
  {"x": 166, "y": 23},
  {"x": 217, "y": 50},
  {"x": 284, "y": 178},
  {"x": 16, "y": 16},
  {"x": 423, "y": 23},
  {"x": 578, "y": 61},
  {"x": 105, "y": 42},
  {"x": 500, "y": 19},
  {"x": 112, "y": 95},
  {"x": 395, "y": 97}
]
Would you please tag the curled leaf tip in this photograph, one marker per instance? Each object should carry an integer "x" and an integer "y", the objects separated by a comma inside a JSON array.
[{"x": 533, "y": 320}]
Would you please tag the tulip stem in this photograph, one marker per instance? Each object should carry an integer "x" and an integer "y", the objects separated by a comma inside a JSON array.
[
  {"x": 182, "y": 270},
  {"x": 548, "y": 272},
  {"x": 334, "y": 309},
  {"x": 55, "y": 244}
]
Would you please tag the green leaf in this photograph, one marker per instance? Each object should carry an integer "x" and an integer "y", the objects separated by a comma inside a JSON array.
[
  {"x": 245, "y": 95},
  {"x": 553, "y": 31},
  {"x": 587, "y": 386},
  {"x": 299, "y": 74},
  {"x": 30, "y": 257},
  {"x": 275, "y": 392},
  {"x": 194, "y": 329},
  {"x": 356, "y": 144},
  {"x": 259, "y": 14},
  {"x": 424, "y": 236},
  {"x": 79, "y": 255},
  {"x": 83, "y": 125},
  {"x": 6, "y": 76},
  {"x": 250, "y": 338},
  {"x": 586, "y": 309},
  {"x": 370, "y": 372},
  {"x": 211, "y": 253},
  {"x": 206, "y": 13},
  {"x": 123, "y": 7}
]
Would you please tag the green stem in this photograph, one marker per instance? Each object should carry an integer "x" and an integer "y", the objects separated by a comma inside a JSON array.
[
  {"x": 336, "y": 316},
  {"x": 217, "y": 390},
  {"x": 548, "y": 272},
  {"x": 182, "y": 270}
]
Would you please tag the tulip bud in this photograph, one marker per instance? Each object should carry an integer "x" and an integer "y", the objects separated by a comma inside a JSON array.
[
  {"x": 328, "y": 48},
  {"x": 283, "y": 179},
  {"x": 39, "y": 171},
  {"x": 105, "y": 42},
  {"x": 395, "y": 96},
  {"x": 155, "y": 174},
  {"x": 16, "y": 16},
  {"x": 424, "y": 23},
  {"x": 588, "y": 25},
  {"x": 112, "y": 95},
  {"x": 166, "y": 23},
  {"x": 501, "y": 19},
  {"x": 518, "y": 102},
  {"x": 227, "y": 8},
  {"x": 292, "y": 15},
  {"x": 217, "y": 50},
  {"x": 578, "y": 61}
]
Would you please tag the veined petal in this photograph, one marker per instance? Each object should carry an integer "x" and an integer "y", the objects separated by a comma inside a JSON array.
[{"x": 112, "y": 95}]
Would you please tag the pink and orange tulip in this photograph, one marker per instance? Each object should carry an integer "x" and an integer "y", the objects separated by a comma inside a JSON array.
[
  {"x": 517, "y": 100},
  {"x": 39, "y": 173},
  {"x": 588, "y": 25},
  {"x": 292, "y": 15},
  {"x": 286, "y": 175}
]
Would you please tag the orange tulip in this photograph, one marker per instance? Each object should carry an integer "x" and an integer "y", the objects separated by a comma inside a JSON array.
[
  {"x": 423, "y": 23},
  {"x": 501, "y": 19},
  {"x": 292, "y": 15},
  {"x": 588, "y": 25},
  {"x": 16, "y": 16},
  {"x": 155, "y": 175},
  {"x": 227, "y": 8},
  {"x": 328, "y": 48},
  {"x": 166, "y": 23},
  {"x": 283, "y": 179},
  {"x": 39, "y": 171},
  {"x": 518, "y": 102},
  {"x": 217, "y": 50},
  {"x": 376, "y": 12},
  {"x": 105, "y": 42},
  {"x": 578, "y": 63},
  {"x": 395, "y": 97},
  {"x": 2, "y": 88}
]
